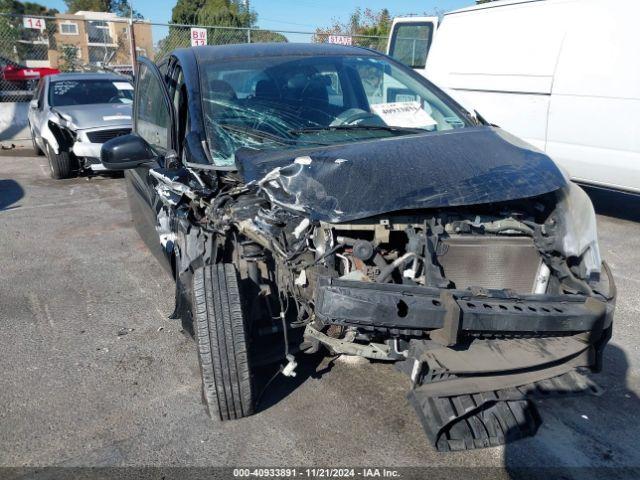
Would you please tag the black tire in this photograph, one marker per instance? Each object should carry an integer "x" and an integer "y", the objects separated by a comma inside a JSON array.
[
  {"x": 221, "y": 336},
  {"x": 36, "y": 148},
  {"x": 59, "y": 163}
]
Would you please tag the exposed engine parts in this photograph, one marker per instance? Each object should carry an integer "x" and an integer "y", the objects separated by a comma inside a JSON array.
[{"x": 404, "y": 287}]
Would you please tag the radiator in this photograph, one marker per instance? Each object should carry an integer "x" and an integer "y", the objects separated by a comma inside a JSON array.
[{"x": 497, "y": 262}]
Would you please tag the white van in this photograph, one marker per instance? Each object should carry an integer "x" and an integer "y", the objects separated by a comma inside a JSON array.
[{"x": 562, "y": 74}]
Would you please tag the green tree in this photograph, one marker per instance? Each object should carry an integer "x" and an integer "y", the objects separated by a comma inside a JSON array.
[
  {"x": 121, "y": 8},
  {"x": 74, "y": 6},
  {"x": 69, "y": 58},
  {"x": 214, "y": 13},
  {"x": 25, "y": 8},
  {"x": 224, "y": 13},
  {"x": 12, "y": 30},
  {"x": 369, "y": 28}
]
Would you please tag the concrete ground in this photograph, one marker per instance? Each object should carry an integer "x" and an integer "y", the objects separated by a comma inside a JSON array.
[{"x": 95, "y": 374}]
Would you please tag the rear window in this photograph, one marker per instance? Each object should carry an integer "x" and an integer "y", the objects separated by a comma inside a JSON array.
[{"x": 84, "y": 92}]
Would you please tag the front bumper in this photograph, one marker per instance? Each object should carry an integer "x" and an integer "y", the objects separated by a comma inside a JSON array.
[
  {"x": 488, "y": 353},
  {"x": 414, "y": 309},
  {"x": 90, "y": 151}
]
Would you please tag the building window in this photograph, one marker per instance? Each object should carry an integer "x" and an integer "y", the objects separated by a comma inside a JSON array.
[
  {"x": 69, "y": 28},
  {"x": 98, "y": 32}
]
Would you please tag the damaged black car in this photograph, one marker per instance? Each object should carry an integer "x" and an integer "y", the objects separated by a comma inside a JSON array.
[{"x": 309, "y": 197}]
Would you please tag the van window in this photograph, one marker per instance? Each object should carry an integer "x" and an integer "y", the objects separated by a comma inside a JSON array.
[{"x": 410, "y": 43}]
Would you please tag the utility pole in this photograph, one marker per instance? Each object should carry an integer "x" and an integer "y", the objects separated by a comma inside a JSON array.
[{"x": 132, "y": 38}]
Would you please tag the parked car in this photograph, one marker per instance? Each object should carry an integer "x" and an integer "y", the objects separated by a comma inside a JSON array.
[
  {"x": 18, "y": 81},
  {"x": 324, "y": 196},
  {"x": 73, "y": 114},
  {"x": 572, "y": 93}
]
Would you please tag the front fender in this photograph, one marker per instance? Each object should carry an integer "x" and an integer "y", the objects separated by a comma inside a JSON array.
[{"x": 47, "y": 135}]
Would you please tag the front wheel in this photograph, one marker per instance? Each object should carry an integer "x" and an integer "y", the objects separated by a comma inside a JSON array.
[
  {"x": 59, "y": 163},
  {"x": 223, "y": 343}
]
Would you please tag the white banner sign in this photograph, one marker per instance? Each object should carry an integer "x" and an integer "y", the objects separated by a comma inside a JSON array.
[
  {"x": 198, "y": 37},
  {"x": 340, "y": 39},
  {"x": 35, "y": 23},
  {"x": 403, "y": 114}
]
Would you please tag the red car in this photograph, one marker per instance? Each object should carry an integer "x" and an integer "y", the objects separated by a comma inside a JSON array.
[{"x": 16, "y": 79}]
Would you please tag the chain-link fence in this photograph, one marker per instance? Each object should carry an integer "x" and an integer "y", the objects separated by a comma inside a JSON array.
[
  {"x": 34, "y": 46},
  {"x": 172, "y": 36}
]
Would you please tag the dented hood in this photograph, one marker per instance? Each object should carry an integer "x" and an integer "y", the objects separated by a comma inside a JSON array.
[
  {"x": 97, "y": 115},
  {"x": 358, "y": 180}
]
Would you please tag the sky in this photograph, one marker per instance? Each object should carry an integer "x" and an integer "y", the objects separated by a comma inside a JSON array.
[{"x": 304, "y": 15}]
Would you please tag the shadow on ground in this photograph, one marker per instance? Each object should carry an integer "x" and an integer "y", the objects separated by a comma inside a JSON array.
[
  {"x": 625, "y": 206},
  {"x": 276, "y": 387},
  {"x": 10, "y": 193},
  {"x": 585, "y": 437}
]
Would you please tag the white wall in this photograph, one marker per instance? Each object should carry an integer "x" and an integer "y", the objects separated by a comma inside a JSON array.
[{"x": 13, "y": 121}]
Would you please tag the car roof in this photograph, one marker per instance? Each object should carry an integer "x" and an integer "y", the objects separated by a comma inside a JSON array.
[
  {"x": 87, "y": 76},
  {"x": 252, "y": 50}
]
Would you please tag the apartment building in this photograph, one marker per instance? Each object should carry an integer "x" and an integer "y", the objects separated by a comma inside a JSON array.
[{"x": 88, "y": 38}]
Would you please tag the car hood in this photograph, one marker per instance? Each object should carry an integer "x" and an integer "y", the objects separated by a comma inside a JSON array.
[
  {"x": 98, "y": 115},
  {"x": 445, "y": 169}
]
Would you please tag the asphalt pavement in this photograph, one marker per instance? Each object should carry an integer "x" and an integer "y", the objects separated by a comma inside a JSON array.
[{"x": 94, "y": 373}]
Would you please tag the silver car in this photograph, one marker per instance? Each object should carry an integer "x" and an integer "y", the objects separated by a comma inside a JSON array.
[{"x": 73, "y": 114}]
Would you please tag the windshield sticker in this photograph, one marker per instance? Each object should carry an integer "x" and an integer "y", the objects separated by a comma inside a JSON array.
[
  {"x": 403, "y": 114},
  {"x": 61, "y": 88},
  {"x": 123, "y": 85}
]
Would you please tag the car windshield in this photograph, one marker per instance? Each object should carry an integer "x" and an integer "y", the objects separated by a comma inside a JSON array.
[
  {"x": 84, "y": 92},
  {"x": 293, "y": 102}
]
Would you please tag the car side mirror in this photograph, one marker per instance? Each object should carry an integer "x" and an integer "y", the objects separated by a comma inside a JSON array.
[
  {"x": 128, "y": 151},
  {"x": 34, "y": 103}
]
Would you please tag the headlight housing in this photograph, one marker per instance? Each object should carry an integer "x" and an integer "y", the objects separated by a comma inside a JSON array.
[{"x": 580, "y": 235}]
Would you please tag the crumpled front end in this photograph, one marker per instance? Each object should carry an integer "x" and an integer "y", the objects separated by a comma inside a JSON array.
[
  {"x": 81, "y": 131},
  {"x": 88, "y": 143},
  {"x": 484, "y": 307},
  {"x": 484, "y": 298}
]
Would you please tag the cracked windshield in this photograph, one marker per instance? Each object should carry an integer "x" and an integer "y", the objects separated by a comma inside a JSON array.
[{"x": 312, "y": 101}]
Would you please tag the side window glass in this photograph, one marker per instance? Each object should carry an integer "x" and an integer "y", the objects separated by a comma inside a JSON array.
[
  {"x": 153, "y": 119},
  {"x": 176, "y": 93},
  {"x": 36, "y": 91},
  {"x": 41, "y": 95},
  {"x": 410, "y": 43}
]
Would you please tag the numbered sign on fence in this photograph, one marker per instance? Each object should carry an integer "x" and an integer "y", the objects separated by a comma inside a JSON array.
[
  {"x": 35, "y": 23},
  {"x": 341, "y": 39},
  {"x": 198, "y": 37}
]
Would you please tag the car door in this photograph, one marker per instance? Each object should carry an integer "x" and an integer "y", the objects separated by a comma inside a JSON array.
[
  {"x": 36, "y": 109},
  {"x": 153, "y": 120}
]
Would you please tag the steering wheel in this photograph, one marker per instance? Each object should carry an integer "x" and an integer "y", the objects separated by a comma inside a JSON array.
[{"x": 356, "y": 116}]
